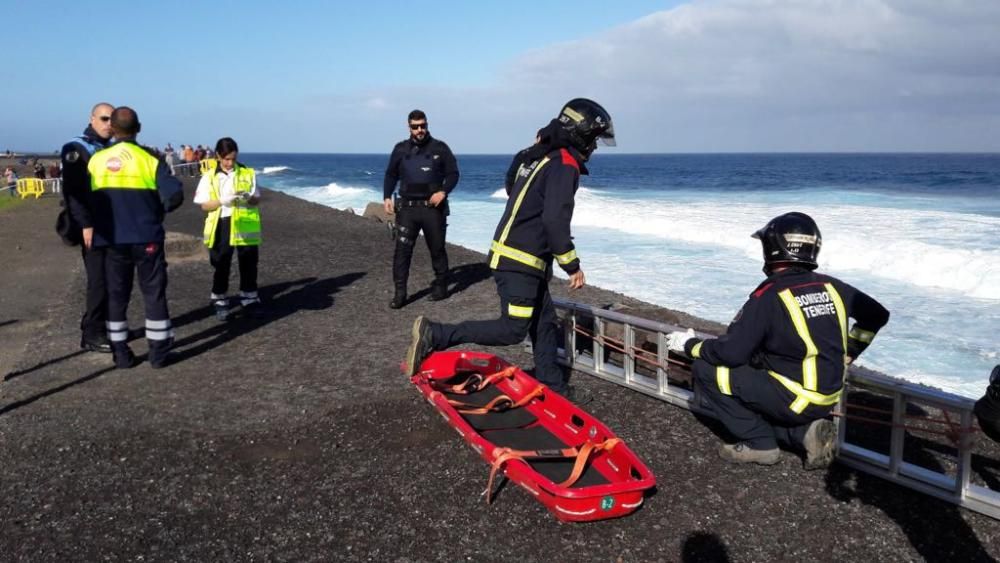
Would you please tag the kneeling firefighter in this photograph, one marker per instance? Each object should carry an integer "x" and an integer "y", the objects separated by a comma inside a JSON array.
[
  {"x": 988, "y": 408},
  {"x": 777, "y": 373},
  {"x": 533, "y": 231},
  {"x": 427, "y": 172}
]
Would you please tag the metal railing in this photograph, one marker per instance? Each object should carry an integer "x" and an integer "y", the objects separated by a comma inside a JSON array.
[{"x": 620, "y": 360}]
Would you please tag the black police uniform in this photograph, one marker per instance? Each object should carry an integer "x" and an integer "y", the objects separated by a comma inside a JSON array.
[
  {"x": 76, "y": 197},
  {"x": 129, "y": 223},
  {"x": 534, "y": 230},
  {"x": 422, "y": 168},
  {"x": 781, "y": 363}
]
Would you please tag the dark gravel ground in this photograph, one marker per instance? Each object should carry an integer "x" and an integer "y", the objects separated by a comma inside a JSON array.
[{"x": 296, "y": 438}]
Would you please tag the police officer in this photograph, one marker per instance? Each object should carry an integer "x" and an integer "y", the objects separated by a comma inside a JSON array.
[
  {"x": 131, "y": 191},
  {"x": 427, "y": 172},
  {"x": 987, "y": 408},
  {"x": 776, "y": 374},
  {"x": 76, "y": 223},
  {"x": 533, "y": 231}
]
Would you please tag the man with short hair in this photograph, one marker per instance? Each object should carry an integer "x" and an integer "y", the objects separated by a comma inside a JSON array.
[
  {"x": 777, "y": 373},
  {"x": 77, "y": 226},
  {"x": 427, "y": 172},
  {"x": 131, "y": 191}
]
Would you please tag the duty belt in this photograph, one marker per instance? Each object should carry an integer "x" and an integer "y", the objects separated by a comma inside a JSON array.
[{"x": 413, "y": 203}]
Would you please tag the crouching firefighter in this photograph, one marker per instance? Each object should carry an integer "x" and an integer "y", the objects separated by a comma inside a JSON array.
[
  {"x": 131, "y": 192},
  {"x": 988, "y": 407},
  {"x": 775, "y": 375},
  {"x": 427, "y": 172},
  {"x": 533, "y": 231}
]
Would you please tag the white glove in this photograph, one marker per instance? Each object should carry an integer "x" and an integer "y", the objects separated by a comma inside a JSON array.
[
  {"x": 227, "y": 199},
  {"x": 677, "y": 340}
]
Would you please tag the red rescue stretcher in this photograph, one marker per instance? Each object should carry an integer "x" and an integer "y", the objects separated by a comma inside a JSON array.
[{"x": 562, "y": 455}]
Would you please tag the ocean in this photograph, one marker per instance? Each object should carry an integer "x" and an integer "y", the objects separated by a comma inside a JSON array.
[{"x": 919, "y": 232}]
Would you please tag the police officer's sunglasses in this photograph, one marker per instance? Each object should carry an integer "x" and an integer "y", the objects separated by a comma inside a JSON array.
[{"x": 416, "y": 126}]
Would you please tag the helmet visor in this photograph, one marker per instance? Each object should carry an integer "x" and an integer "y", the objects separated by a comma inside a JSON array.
[{"x": 607, "y": 138}]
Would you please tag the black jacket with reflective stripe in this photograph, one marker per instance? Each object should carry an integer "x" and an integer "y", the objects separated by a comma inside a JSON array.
[
  {"x": 764, "y": 336},
  {"x": 541, "y": 205}
]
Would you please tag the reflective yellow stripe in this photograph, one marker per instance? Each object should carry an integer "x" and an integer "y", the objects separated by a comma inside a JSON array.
[
  {"x": 696, "y": 351},
  {"x": 722, "y": 378},
  {"x": 566, "y": 258},
  {"x": 519, "y": 312},
  {"x": 865, "y": 336},
  {"x": 804, "y": 396},
  {"x": 799, "y": 320},
  {"x": 516, "y": 255},
  {"x": 495, "y": 261},
  {"x": 573, "y": 114},
  {"x": 842, "y": 320}
]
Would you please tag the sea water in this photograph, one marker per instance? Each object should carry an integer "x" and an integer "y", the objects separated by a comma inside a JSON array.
[{"x": 920, "y": 233}]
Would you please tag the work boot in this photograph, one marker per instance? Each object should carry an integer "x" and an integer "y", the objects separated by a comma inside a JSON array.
[
  {"x": 123, "y": 356},
  {"x": 420, "y": 347},
  {"x": 399, "y": 298},
  {"x": 820, "y": 443},
  {"x": 98, "y": 343},
  {"x": 439, "y": 291},
  {"x": 743, "y": 453}
]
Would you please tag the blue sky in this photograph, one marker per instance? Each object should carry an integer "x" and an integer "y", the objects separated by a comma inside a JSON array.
[{"x": 699, "y": 76}]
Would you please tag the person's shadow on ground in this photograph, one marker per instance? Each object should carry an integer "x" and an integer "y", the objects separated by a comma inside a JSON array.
[
  {"x": 935, "y": 528},
  {"x": 279, "y": 302}
]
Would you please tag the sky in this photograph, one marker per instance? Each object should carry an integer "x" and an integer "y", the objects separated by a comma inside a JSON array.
[{"x": 676, "y": 76}]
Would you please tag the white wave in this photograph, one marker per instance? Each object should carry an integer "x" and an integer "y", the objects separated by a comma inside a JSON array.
[
  {"x": 337, "y": 196},
  {"x": 936, "y": 249},
  {"x": 273, "y": 169}
]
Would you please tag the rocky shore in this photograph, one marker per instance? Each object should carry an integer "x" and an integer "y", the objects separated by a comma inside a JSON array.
[{"x": 296, "y": 438}]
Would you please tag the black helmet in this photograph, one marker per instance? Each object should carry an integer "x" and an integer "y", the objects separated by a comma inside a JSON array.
[
  {"x": 586, "y": 122},
  {"x": 792, "y": 238}
]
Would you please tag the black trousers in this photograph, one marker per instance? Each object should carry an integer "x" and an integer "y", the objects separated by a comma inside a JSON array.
[
  {"x": 95, "y": 312},
  {"x": 410, "y": 221},
  {"x": 122, "y": 264},
  {"x": 757, "y": 410},
  {"x": 221, "y": 257},
  {"x": 525, "y": 309}
]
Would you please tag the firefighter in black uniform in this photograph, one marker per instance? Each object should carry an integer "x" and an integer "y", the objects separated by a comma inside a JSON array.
[
  {"x": 427, "y": 172},
  {"x": 76, "y": 224},
  {"x": 131, "y": 191},
  {"x": 776, "y": 374},
  {"x": 534, "y": 230}
]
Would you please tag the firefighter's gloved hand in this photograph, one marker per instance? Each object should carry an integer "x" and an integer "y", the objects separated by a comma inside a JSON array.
[{"x": 676, "y": 340}]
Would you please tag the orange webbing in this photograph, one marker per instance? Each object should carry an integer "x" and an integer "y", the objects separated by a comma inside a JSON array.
[
  {"x": 497, "y": 403},
  {"x": 477, "y": 379},
  {"x": 582, "y": 455}
]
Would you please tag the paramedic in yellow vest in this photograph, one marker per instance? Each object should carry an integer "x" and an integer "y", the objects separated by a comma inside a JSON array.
[
  {"x": 779, "y": 370},
  {"x": 228, "y": 191},
  {"x": 131, "y": 190}
]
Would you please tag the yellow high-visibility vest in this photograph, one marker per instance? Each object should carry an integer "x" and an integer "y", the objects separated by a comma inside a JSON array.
[{"x": 245, "y": 223}]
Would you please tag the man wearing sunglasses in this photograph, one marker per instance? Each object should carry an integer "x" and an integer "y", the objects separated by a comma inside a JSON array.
[
  {"x": 426, "y": 171},
  {"x": 76, "y": 225}
]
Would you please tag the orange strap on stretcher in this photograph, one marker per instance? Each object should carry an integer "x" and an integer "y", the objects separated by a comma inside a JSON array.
[
  {"x": 499, "y": 404},
  {"x": 582, "y": 455},
  {"x": 476, "y": 382}
]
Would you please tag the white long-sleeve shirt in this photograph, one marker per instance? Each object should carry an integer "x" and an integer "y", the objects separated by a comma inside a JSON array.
[{"x": 203, "y": 193}]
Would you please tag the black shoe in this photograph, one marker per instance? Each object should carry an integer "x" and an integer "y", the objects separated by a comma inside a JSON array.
[
  {"x": 439, "y": 292},
  {"x": 398, "y": 300},
  {"x": 163, "y": 362},
  {"x": 420, "y": 347},
  {"x": 124, "y": 358},
  {"x": 576, "y": 395},
  {"x": 221, "y": 307},
  {"x": 254, "y": 309},
  {"x": 96, "y": 344}
]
